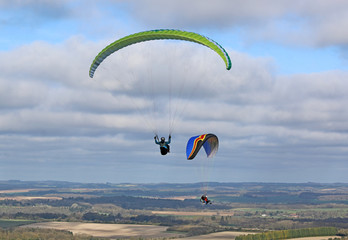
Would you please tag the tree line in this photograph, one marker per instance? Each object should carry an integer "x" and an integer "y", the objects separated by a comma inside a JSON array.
[
  {"x": 291, "y": 233},
  {"x": 40, "y": 233}
]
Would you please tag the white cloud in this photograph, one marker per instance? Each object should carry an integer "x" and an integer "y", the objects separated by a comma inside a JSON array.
[
  {"x": 20, "y": 94},
  {"x": 303, "y": 23},
  {"x": 30, "y": 12}
]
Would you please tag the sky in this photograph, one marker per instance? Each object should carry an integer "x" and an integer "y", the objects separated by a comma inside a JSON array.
[{"x": 280, "y": 113}]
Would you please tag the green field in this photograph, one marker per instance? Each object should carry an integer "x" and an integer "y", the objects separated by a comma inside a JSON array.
[{"x": 11, "y": 223}]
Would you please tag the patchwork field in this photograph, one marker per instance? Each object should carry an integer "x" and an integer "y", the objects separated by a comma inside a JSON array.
[
  {"x": 107, "y": 230},
  {"x": 134, "y": 230},
  {"x": 149, "y": 210},
  {"x": 19, "y": 190},
  {"x": 187, "y": 213},
  {"x": 131, "y": 230},
  {"x": 21, "y": 198},
  {"x": 217, "y": 236},
  {"x": 232, "y": 235}
]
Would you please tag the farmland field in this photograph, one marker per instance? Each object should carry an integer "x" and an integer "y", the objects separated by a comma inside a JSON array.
[
  {"x": 169, "y": 210},
  {"x": 107, "y": 230},
  {"x": 9, "y": 223},
  {"x": 232, "y": 235},
  {"x": 217, "y": 236},
  {"x": 196, "y": 213},
  {"x": 21, "y": 198}
]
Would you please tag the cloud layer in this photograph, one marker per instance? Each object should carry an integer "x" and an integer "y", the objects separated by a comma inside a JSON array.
[
  {"x": 313, "y": 23},
  {"x": 57, "y": 122}
]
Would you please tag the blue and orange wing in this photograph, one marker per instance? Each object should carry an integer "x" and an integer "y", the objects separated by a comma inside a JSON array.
[{"x": 209, "y": 141}]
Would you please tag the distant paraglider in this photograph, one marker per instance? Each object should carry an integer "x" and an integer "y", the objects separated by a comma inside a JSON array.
[
  {"x": 204, "y": 199},
  {"x": 210, "y": 143}
]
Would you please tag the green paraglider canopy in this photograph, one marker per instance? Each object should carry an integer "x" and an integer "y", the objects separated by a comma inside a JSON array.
[{"x": 155, "y": 35}]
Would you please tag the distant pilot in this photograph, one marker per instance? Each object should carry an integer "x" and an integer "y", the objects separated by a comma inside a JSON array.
[{"x": 204, "y": 199}]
